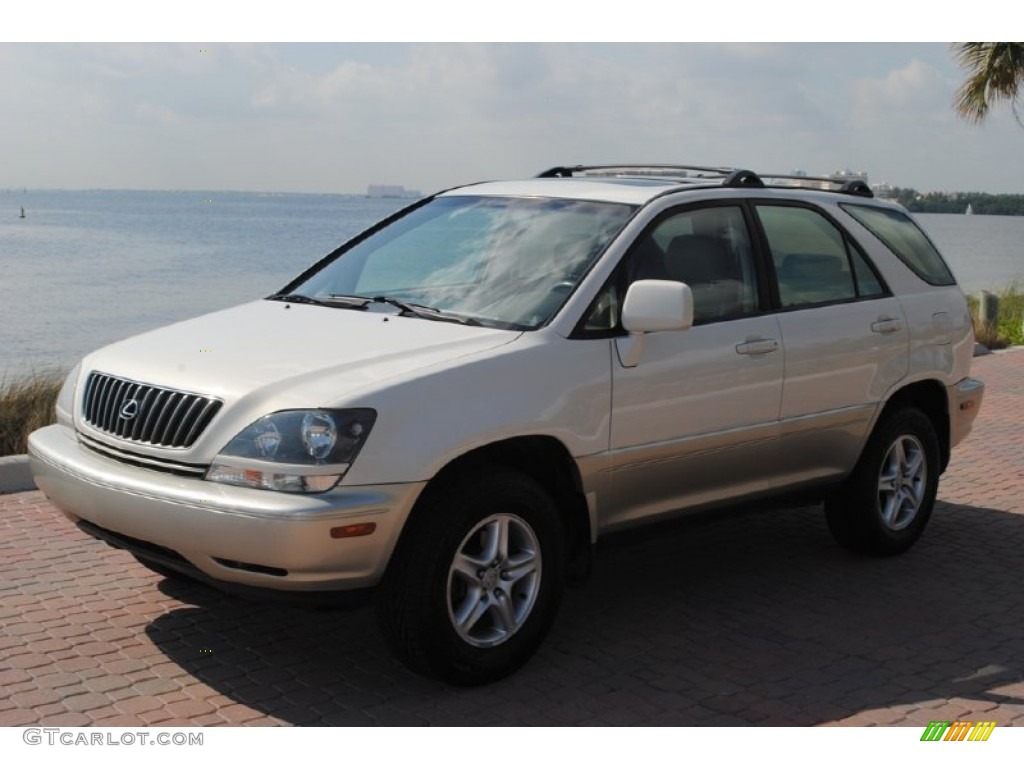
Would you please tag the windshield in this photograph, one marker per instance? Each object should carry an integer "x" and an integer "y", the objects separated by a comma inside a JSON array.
[{"x": 509, "y": 262}]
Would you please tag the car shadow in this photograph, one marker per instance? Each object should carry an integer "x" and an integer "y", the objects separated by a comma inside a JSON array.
[{"x": 735, "y": 619}]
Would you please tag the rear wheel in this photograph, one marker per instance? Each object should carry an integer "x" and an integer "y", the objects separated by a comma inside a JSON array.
[
  {"x": 475, "y": 583},
  {"x": 885, "y": 504}
]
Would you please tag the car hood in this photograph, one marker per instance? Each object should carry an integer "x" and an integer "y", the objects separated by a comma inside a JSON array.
[{"x": 276, "y": 347}]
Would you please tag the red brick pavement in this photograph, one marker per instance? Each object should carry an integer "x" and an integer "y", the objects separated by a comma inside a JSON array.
[{"x": 744, "y": 619}]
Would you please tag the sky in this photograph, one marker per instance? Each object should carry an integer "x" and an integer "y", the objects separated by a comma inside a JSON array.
[{"x": 336, "y": 117}]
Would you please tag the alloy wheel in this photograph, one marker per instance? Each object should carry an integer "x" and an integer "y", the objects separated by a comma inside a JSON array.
[
  {"x": 494, "y": 580},
  {"x": 902, "y": 482}
]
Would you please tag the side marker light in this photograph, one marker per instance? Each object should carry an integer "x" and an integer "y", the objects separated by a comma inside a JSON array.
[{"x": 352, "y": 531}]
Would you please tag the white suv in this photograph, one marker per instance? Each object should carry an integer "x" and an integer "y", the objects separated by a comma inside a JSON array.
[{"x": 455, "y": 405}]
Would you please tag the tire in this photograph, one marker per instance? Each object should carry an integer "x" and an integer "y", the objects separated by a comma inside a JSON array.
[
  {"x": 884, "y": 506},
  {"x": 476, "y": 580}
]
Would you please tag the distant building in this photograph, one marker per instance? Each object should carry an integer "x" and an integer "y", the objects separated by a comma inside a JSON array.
[
  {"x": 823, "y": 182},
  {"x": 848, "y": 175},
  {"x": 391, "y": 190},
  {"x": 884, "y": 190}
]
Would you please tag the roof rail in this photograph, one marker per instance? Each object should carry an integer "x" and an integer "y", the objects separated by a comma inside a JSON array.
[
  {"x": 742, "y": 178},
  {"x": 727, "y": 177},
  {"x": 855, "y": 187},
  {"x": 660, "y": 170}
]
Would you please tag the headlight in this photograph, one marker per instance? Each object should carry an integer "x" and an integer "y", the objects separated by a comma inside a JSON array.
[
  {"x": 296, "y": 451},
  {"x": 66, "y": 398}
]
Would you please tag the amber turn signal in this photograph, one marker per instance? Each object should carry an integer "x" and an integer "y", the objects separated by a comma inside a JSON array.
[{"x": 350, "y": 531}]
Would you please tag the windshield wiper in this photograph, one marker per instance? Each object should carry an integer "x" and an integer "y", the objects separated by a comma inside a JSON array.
[
  {"x": 429, "y": 313},
  {"x": 345, "y": 302}
]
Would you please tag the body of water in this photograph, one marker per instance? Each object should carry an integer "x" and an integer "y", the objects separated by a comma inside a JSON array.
[
  {"x": 984, "y": 252},
  {"x": 85, "y": 268}
]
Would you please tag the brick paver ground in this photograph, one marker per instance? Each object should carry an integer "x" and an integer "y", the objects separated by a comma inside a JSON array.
[{"x": 734, "y": 620}]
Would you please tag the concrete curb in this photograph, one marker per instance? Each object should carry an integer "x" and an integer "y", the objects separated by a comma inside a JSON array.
[{"x": 15, "y": 475}]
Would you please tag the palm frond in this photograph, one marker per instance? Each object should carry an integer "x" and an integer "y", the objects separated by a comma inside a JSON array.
[{"x": 995, "y": 71}]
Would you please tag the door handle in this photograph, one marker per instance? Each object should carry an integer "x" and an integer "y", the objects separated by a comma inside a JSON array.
[
  {"x": 757, "y": 347},
  {"x": 886, "y": 325}
]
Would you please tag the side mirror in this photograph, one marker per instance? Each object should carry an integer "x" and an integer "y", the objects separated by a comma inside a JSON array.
[
  {"x": 651, "y": 306},
  {"x": 657, "y": 305}
]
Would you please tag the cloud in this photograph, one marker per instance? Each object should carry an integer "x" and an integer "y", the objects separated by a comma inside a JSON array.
[
  {"x": 335, "y": 117},
  {"x": 917, "y": 88}
]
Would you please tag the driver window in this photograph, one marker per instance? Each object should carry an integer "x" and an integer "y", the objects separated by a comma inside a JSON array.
[{"x": 709, "y": 250}]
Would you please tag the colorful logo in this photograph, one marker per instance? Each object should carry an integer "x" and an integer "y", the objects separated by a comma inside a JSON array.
[{"x": 958, "y": 730}]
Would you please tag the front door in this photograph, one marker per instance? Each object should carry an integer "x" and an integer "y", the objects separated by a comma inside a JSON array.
[{"x": 703, "y": 402}]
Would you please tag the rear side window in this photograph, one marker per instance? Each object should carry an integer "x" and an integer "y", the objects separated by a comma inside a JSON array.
[
  {"x": 904, "y": 238},
  {"x": 815, "y": 262}
]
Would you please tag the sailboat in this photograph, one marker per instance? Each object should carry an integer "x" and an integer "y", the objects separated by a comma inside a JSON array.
[
  {"x": 22, "y": 212},
  {"x": 969, "y": 211}
]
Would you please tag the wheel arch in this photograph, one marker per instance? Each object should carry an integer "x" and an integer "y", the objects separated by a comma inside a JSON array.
[
  {"x": 928, "y": 396},
  {"x": 549, "y": 463}
]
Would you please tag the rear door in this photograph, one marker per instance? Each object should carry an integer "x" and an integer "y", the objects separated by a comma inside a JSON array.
[{"x": 846, "y": 340}]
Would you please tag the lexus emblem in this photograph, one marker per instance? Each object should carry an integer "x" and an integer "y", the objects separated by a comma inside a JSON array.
[{"x": 130, "y": 410}]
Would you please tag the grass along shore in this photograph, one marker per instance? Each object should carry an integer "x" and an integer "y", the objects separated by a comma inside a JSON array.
[
  {"x": 1008, "y": 329},
  {"x": 27, "y": 402}
]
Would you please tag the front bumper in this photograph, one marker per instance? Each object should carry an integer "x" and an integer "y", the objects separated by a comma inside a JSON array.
[{"x": 255, "y": 538}]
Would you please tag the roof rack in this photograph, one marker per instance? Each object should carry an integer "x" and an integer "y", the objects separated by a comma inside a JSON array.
[
  {"x": 855, "y": 187},
  {"x": 668, "y": 170},
  {"x": 726, "y": 177}
]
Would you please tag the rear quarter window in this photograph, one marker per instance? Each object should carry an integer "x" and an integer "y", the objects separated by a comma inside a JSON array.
[{"x": 905, "y": 239}]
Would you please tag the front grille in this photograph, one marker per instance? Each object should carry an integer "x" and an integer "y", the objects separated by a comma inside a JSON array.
[
  {"x": 144, "y": 413},
  {"x": 140, "y": 460}
]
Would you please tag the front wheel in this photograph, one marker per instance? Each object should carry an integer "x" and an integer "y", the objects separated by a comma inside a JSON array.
[
  {"x": 476, "y": 580},
  {"x": 885, "y": 504}
]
